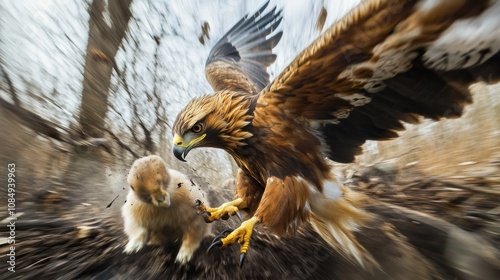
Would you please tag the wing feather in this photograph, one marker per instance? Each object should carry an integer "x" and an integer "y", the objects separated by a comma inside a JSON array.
[
  {"x": 239, "y": 59},
  {"x": 383, "y": 64}
]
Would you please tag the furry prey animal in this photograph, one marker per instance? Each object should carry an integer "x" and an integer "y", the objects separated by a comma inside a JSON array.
[{"x": 161, "y": 200}]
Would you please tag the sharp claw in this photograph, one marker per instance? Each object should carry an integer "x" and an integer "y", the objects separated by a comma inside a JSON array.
[
  {"x": 242, "y": 259},
  {"x": 239, "y": 216},
  {"x": 223, "y": 234},
  {"x": 197, "y": 203},
  {"x": 205, "y": 215},
  {"x": 218, "y": 237},
  {"x": 241, "y": 235},
  {"x": 217, "y": 243},
  {"x": 205, "y": 212},
  {"x": 217, "y": 240}
]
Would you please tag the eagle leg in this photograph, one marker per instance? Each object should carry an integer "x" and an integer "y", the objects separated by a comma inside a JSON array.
[
  {"x": 222, "y": 212},
  {"x": 241, "y": 235}
]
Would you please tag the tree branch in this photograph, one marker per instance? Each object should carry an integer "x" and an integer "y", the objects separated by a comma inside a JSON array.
[
  {"x": 12, "y": 89},
  {"x": 120, "y": 143},
  {"x": 33, "y": 121}
]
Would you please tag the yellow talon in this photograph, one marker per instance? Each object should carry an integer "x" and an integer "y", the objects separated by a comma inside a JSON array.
[
  {"x": 241, "y": 235},
  {"x": 222, "y": 212}
]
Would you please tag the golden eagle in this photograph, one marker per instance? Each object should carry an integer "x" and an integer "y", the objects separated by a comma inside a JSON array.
[{"x": 383, "y": 64}]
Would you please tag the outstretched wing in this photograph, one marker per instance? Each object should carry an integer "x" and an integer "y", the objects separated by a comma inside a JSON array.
[
  {"x": 384, "y": 63},
  {"x": 239, "y": 59}
]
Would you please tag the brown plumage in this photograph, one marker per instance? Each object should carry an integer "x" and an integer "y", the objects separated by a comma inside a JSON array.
[{"x": 383, "y": 64}]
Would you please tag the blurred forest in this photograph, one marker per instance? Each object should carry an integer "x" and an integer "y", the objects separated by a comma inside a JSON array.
[
  {"x": 106, "y": 80},
  {"x": 86, "y": 87}
]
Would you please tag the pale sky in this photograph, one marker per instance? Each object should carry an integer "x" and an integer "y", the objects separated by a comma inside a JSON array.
[{"x": 43, "y": 42}]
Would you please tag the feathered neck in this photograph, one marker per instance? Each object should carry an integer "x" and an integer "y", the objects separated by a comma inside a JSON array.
[{"x": 232, "y": 114}]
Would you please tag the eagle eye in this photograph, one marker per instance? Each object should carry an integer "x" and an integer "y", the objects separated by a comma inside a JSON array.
[{"x": 197, "y": 128}]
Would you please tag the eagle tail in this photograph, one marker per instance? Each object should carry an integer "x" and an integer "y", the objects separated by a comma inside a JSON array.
[{"x": 336, "y": 221}]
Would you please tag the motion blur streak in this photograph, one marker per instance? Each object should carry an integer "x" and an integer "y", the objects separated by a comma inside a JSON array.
[{"x": 86, "y": 87}]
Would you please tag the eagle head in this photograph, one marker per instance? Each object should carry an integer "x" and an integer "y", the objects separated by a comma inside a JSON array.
[{"x": 217, "y": 120}]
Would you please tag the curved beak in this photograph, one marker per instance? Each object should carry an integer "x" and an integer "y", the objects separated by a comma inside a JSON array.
[
  {"x": 180, "y": 152},
  {"x": 181, "y": 149}
]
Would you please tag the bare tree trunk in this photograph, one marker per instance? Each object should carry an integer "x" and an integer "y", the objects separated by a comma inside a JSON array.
[
  {"x": 105, "y": 38},
  {"x": 104, "y": 41}
]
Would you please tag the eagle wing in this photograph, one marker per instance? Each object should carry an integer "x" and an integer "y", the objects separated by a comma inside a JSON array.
[
  {"x": 385, "y": 63},
  {"x": 239, "y": 60}
]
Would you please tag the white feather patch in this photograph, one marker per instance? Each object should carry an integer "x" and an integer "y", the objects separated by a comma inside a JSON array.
[
  {"x": 332, "y": 190},
  {"x": 428, "y": 5},
  {"x": 466, "y": 42},
  {"x": 355, "y": 99}
]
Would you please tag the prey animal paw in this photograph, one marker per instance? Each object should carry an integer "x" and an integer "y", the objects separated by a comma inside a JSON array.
[
  {"x": 133, "y": 246},
  {"x": 184, "y": 255}
]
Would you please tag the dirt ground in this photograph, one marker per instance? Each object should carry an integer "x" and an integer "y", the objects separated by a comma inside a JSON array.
[
  {"x": 72, "y": 229},
  {"x": 60, "y": 236}
]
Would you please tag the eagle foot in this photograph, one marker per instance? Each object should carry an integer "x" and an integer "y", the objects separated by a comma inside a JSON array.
[
  {"x": 241, "y": 235},
  {"x": 217, "y": 240},
  {"x": 223, "y": 212}
]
